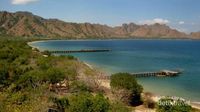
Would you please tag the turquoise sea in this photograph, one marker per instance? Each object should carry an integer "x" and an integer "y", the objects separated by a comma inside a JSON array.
[{"x": 141, "y": 56}]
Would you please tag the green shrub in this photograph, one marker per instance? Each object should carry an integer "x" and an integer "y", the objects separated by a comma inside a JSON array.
[
  {"x": 18, "y": 98},
  {"x": 44, "y": 63},
  {"x": 54, "y": 75},
  {"x": 100, "y": 104},
  {"x": 119, "y": 107},
  {"x": 70, "y": 57},
  {"x": 30, "y": 79},
  {"x": 9, "y": 54},
  {"x": 85, "y": 102},
  {"x": 4, "y": 75},
  {"x": 78, "y": 86},
  {"x": 71, "y": 73},
  {"x": 125, "y": 86},
  {"x": 61, "y": 103},
  {"x": 22, "y": 60}
]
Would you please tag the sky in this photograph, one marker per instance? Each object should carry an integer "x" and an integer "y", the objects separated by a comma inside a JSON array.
[{"x": 183, "y": 15}]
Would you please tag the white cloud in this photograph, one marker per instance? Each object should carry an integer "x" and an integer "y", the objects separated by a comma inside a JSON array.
[
  {"x": 22, "y": 2},
  {"x": 156, "y": 20},
  {"x": 181, "y": 22}
]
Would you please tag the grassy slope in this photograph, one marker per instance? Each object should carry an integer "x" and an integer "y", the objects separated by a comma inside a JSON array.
[{"x": 25, "y": 77}]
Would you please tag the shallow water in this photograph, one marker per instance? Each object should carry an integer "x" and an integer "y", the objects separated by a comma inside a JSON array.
[{"x": 141, "y": 56}]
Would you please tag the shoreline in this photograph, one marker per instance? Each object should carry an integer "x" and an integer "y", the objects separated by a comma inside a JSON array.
[
  {"x": 105, "y": 83},
  {"x": 115, "y": 39},
  {"x": 31, "y": 42},
  {"x": 155, "y": 97},
  {"x": 89, "y": 65}
]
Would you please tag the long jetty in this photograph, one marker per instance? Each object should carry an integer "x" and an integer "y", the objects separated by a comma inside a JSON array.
[
  {"x": 162, "y": 73},
  {"x": 157, "y": 74},
  {"x": 79, "y": 51}
]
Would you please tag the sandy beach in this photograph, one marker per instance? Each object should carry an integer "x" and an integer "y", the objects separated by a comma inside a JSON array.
[{"x": 32, "y": 42}]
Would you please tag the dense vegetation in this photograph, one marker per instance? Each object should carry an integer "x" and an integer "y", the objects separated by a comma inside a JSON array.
[
  {"x": 126, "y": 88},
  {"x": 82, "y": 102},
  {"x": 30, "y": 81}
]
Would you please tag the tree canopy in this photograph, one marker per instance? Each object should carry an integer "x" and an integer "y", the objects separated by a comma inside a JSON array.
[{"x": 126, "y": 87}]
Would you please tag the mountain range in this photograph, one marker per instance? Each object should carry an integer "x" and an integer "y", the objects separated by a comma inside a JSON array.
[{"x": 30, "y": 25}]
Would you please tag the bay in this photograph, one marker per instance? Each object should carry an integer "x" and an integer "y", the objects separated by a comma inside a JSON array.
[{"x": 142, "y": 56}]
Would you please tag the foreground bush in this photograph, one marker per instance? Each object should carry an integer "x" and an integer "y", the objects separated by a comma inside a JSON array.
[
  {"x": 60, "y": 103},
  {"x": 119, "y": 107},
  {"x": 82, "y": 102},
  {"x": 4, "y": 75},
  {"x": 125, "y": 86},
  {"x": 55, "y": 75},
  {"x": 86, "y": 102}
]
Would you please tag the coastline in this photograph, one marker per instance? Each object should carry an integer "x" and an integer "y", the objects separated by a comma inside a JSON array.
[
  {"x": 154, "y": 96},
  {"x": 110, "y": 39},
  {"x": 89, "y": 65},
  {"x": 106, "y": 82},
  {"x": 31, "y": 42}
]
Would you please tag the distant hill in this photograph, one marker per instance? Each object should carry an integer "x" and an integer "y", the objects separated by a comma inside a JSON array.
[
  {"x": 195, "y": 35},
  {"x": 27, "y": 24}
]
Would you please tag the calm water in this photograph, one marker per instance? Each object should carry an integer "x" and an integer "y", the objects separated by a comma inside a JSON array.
[{"x": 141, "y": 56}]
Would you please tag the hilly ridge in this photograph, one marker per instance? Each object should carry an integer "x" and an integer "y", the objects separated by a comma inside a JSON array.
[{"x": 28, "y": 24}]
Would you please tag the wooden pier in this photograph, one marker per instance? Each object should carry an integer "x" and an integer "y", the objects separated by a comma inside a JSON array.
[
  {"x": 162, "y": 73},
  {"x": 157, "y": 74},
  {"x": 79, "y": 51}
]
